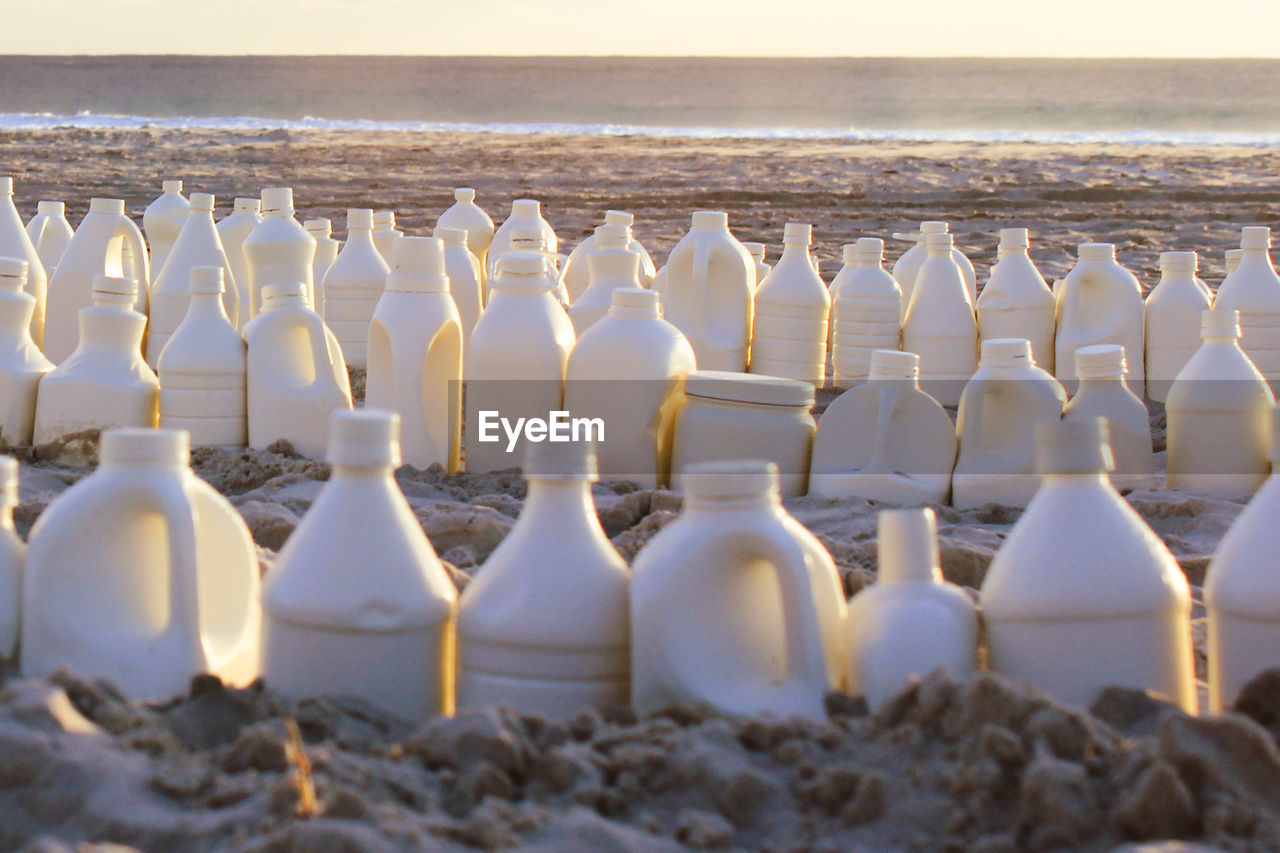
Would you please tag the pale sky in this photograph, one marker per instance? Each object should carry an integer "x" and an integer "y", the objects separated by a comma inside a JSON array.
[{"x": 1146, "y": 28}]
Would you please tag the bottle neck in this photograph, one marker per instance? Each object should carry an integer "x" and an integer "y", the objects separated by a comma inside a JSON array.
[
  {"x": 206, "y": 306},
  {"x": 16, "y": 308},
  {"x": 111, "y": 328},
  {"x": 761, "y": 502},
  {"x": 552, "y": 504},
  {"x": 794, "y": 253},
  {"x": 1077, "y": 482},
  {"x": 373, "y": 474},
  {"x": 1258, "y": 258}
]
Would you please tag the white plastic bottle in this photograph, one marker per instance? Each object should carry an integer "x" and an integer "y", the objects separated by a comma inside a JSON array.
[
  {"x": 198, "y": 245},
  {"x": 575, "y": 275},
  {"x": 172, "y": 589},
  {"x": 525, "y": 213},
  {"x": 16, "y": 243},
  {"x": 352, "y": 287},
  {"x": 757, "y": 252},
  {"x": 1242, "y": 593},
  {"x": 735, "y": 604},
  {"x": 911, "y": 621},
  {"x": 22, "y": 365},
  {"x": 1218, "y": 413},
  {"x": 940, "y": 326},
  {"x": 1102, "y": 392},
  {"x": 1100, "y": 302},
  {"x": 105, "y": 383},
  {"x": 385, "y": 233},
  {"x": 326, "y": 251},
  {"x": 543, "y": 628},
  {"x": 162, "y": 221},
  {"x": 885, "y": 440},
  {"x": 707, "y": 288},
  {"x": 279, "y": 249},
  {"x": 233, "y": 230},
  {"x": 907, "y": 267},
  {"x": 202, "y": 368},
  {"x": 532, "y": 239},
  {"x": 610, "y": 265},
  {"x": 13, "y": 556},
  {"x": 1253, "y": 289},
  {"x": 628, "y": 370},
  {"x": 792, "y": 308},
  {"x": 865, "y": 310},
  {"x": 1172, "y": 312},
  {"x": 415, "y": 355},
  {"x": 466, "y": 279},
  {"x": 97, "y": 249},
  {"x": 50, "y": 232},
  {"x": 295, "y": 375},
  {"x": 1083, "y": 594},
  {"x": 515, "y": 362},
  {"x": 1016, "y": 302},
  {"x": 995, "y": 426},
  {"x": 1232, "y": 257},
  {"x": 470, "y": 217},
  {"x": 357, "y": 602}
]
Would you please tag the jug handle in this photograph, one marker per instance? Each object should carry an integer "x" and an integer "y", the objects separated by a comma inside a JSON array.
[
  {"x": 174, "y": 504},
  {"x": 887, "y": 399},
  {"x": 138, "y": 246}
]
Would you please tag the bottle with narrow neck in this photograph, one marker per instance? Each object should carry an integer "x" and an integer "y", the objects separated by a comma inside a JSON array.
[
  {"x": 792, "y": 310},
  {"x": 13, "y": 554},
  {"x": 525, "y": 213},
  {"x": 385, "y": 233},
  {"x": 279, "y": 249},
  {"x": 757, "y": 251},
  {"x": 16, "y": 243},
  {"x": 352, "y": 287},
  {"x": 1016, "y": 302},
  {"x": 1232, "y": 257},
  {"x": 22, "y": 365},
  {"x": 50, "y": 232},
  {"x": 575, "y": 276},
  {"x": 941, "y": 326},
  {"x": 1172, "y": 312},
  {"x": 471, "y": 218},
  {"x": 466, "y": 278},
  {"x": 1253, "y": 289},
  {"x": 866, "y": 304},
  {"x": 326, "y": 250},
  {"x": 907, "y": 267},
  {"x": 233, "y": 230},
  {"x": 1099, "y": 302},
  {"x": 162, "y": 222},
  {"x": 1102, "y": 392},
  {"x": 610, "y": 265}
]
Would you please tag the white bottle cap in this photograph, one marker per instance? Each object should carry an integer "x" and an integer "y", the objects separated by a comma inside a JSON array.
[
  {"x": 1073, "y": 447},
  {"x": 894, "y": 364},
  {"x": 419, "y": 266},
  {"x": 934, "y": 226},
  {"x": 907, "y": 546},
  {"x": 619, "y": 217},
  {"x": 755, "y": 250},
  {"x": 635, "y": 301},
  {"x": 1006, "y": 352},
  {"x": 1220, "y": 323},
  {"x": 134, "y": 446},
  {"x": 464, "y": 194},
  {"x": 731, "y": 479},
  {"x": 282, "y": 289},
  {"x": 611, "y": 237},
  {"x": 384, "y": 220},
  {"x": 202, "y": 201},
  {"x": 710, "y": 219},
  {"x": 206, "y": 280},
  {"x": 850, "y": 254},
  {"x": 526, "y": 207},
  {"x": 106, "y": 205},
  {"x": 277, "y": 199},
  {"x": 1255, "y": 237},
  {"x": 247, "y": 205},
  {"x": 524, "y": 263},
  {"x": 6, "y": 186},
  {"x": 51, "y": 208},
  {"x": 8, "y": 481},
  {"x": 1179, "y": 261},
  {"x": 940, "y": 242},
  {"x": 797, "y": 232},
  {"x": 359, "y": 218},
  {"x": 116, "y": 286},
  {"x": 560, "y": 460},
  {"x": 171, "y": 186},
  {"x": 364, "y": 438},
  {"x": 452, "y": 235},
  {"x": 1014, "y": 238},
  {"x": 1101, "y": 361},
  {"x": 869, "y": 249},
  {"x": 13, "y": 273},
  {"x": 1096, "y": 251}
]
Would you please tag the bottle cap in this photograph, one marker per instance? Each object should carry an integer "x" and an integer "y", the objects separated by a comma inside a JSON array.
[
  {"x": 1096, "y": 251},
  {"x": 359, "y": 218},
  {"x": 730, "y": 479},
  {"x": 526, "y": 207},
  {"x": 277, "y": 200},
  {"x": 1101, "y": 361},
  {"x": 1073, "y": 447},
  {"x": 934, "y": 226},
  {"x": 940, "y": 241},
  {"x": 115, "y": 286},
  {"x": 384, "y": 220},
  {"x": 6, "y": 186},
  {"x": 464, "y": 194},
  {"x": 611, "y": 237},
  {"x": 418, "y": 264},
  {"x": 172, "y": 186},
  {"x": 13, "y": 273},
  {"x": 247, "y": 205},
  {"x": 51, "y": 208},
  {"x": 1006, "y": 352},
  {"x": 619, "y": 217},
  {"x": 907, "y": 546},
  {"x": 710, "y": 219},
  {"x": 1179, "y": 261},
  {"x": 560, "y": 460},
  {"x": 202, "y": 201},
  {"x": 635, "y": 300},
  {"x": 1014, "y": 238},
  {"x": 524, "y": 263},
  {"x": 169, "y": 448},
  {"x": 869, "y": 249},
  {"x": 283, "y": 288},
  {"x": 206, "y": 280},
  {"x": 364, "y": 438},
  {"x": 755, "y": 250},
  {"x": 1220, "y": 323},
  {"x": 797, "y": 232},
  {"x": 106, "y": 205},
  {"x": 1255, "y": 237},
  {"x": 452, "y": 235},
  {"x": 318, "y": 227},
  {"x": 894, "y": 364}
]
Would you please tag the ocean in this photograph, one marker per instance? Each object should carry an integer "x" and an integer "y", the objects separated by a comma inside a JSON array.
[{"x": 1189, "y": 102}]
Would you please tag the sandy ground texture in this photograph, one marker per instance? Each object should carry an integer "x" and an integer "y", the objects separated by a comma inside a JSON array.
[{"x": 979, "y": 765}]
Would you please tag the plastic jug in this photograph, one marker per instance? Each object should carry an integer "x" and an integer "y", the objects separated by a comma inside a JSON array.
[
  {"x": 1233, "y": 257},
  {"x": 105, "y": 383},
  {"x": 1172, "y": 312},
  {"x": 415, "y": 355},
  {"x": 543, "y": 628},
  {"x": 516, "y": 361},
  {"x": 171, "y": 590},
  {"x": 628, "y": 370},
  {"x": 16, "y": 243},
  {"x": 385, "y": 233},
  {"x": 611, "y": 265},
  {"x": 575, "y": 276},
  {"x": 907, "y": 267},
  {"x": 358, "y": 603},
  {"x": 97, "y": 249},
  {"x": 1102, "y": 392},
  {"x": 198, "y": 245},
  {"x": 295, "y": 375},
  {"x": 321, "y": 230},
  {"x": 202, "y": 368},
  {"x": 162, "y": 221},
  {"x": 885, "y": 440},
  {"x": 279, "y": 250},
  {"x": 352, "y": 287},
  {"x": 1083, "y": 594},
  {"x": 1016, "y": 302},
  {"x": 707, "y": 288},
  {"x": 21, "y": 363},
  {"x": 233, "y": 230},
  {"x": 940, "y": 326},
  {"x": 1242, "y": 593},
  {"x": 13, "y": 555},
  {"x": 1253, "y": 289},
  {"x": 1218, "y": 413},
  {"x": 911, "y": 621},
  {"x": 865, "y": 307},
  {"x": 466, "y": 279},
  {"x": 757, "y": 251},
  {"x": 470, "y": 217},
  {"x": 792, "y": 307},
  {"x": 995, "y": 426},
  {"x": 1100, "y": 302},
  {"x": 735, "y": 604},
  {"x": 525, "y": 213},
  {"x": 50, "y": 232}
]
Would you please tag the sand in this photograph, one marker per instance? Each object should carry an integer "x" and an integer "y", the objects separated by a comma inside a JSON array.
[{"x": 978, "y": 765}]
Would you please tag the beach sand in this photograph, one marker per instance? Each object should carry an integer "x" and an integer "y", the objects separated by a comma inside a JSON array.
[{"x": 978, "y": 765}]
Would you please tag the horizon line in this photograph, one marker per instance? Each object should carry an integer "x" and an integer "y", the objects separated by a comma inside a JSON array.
[{"x": 904, "y": 57}]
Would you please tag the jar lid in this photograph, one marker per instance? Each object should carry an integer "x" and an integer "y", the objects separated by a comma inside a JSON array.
[{"x": 749, "y": 388}]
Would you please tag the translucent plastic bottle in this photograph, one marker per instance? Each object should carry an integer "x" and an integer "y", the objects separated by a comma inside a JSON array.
[
  {"x": 466, "y": 279},
  {"x": 525, "y": 213},
  {"x": 1253, "y": 289},
  {"x": 1100, "y": 302},
  {"x": 940, "y": 326},
  {"x": 544, "y": 628},
  {"x": 470, "y": 217},
  {"x": 50, "y": 232},
  {"x": 16, "y": 243},
  {"x": 1083, "y": 594},
  {"x": 162, "y": 221},
  {"x": 735, "y": 604},
  {"x": 279, "y": 249},
  {"x": 233, "y": 230},
  {"x": 352, "y": 287},
  {"x": 911, "y": 621},
  {"x": 610, "y": 265},
  {"x": 907, "y": 267},
  {"x": 326, "y": 251},
  {"x": 1218, "y": 413},
  {"x": 22, "y": 365},
  {"x": 202, "y": 368},
  {"x": 295, "y": 375},
  {"x": 105, "y": 383},
  {"x": 172, "y": 590},
  {"x": 575, "y": 276},
  {"x": 385, "y": 233},
  {"x": 1102, "y": 392},
  {"x": 865, "y": 309},
  {"x": 1173, "y": 310},
  {"x": 13, "y": 556},
  {"x": 357, "y": 602},
  {"x": 1016, "y": 302},
  {"x": 792, "y": 308},
  {"x": 757, "y": 251},
  {"x": 415, "y": 355}
]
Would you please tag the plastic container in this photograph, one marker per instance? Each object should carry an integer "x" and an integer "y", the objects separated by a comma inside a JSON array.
[
  {"x": 1253, "y": 289},
  {"x": 233, "y": 230},
  {"x": 202, "y": 368},
  {"x": 162, "y": 222},
  {"x": 172, "y": 590},
  {"x": 50, "y": 232},
  {"x": 22, "y": 365},
  {"x": 735, "y": 604},
  {"x": 470, "y": 217},
  {"x": 1016, "y": 302},
  {"x": 995, "y": 426},
  {"x": 736, "y": 416},
  {"x": 16, "y": 243},
  {"x": 611, "y": 265},
  {"x": 707, "y": 289},
  {"x": 415, "y": 355},
  {"x": 352, "y": 288},
  {"x": 327, "y": 248},
  {"x": 105, "y": 383},
  {"x": 1100, "y": 302},
  {"x": 1218, "y": 414},
  {"x": 940, "y": 326},
  {"x": 279, "y": 250},
  {"x": 466, "y": 279},
  {"x": 865, "y": 310},
  {"x": 295, "y": 375},
  {"x": 628, "y": 370},
  {"x": 1083, "y": 594},
  {"x": 385, "y": 233},
  {"x": 1102, "y": 392},
  {"x": 792, "y": 307},
  {"x": 1232, "y": 257},
  {"x": 13, "y": 556},
  {"x": 358, "y": 603},
  {"x": 757, "y": 251},
  {"x": 911, "y": 621},
  {"x": 97, "y": 249},
  {"x": 525, "y": 213},
  {"x": 543, "y": 628},
  {"x": 1172, "y": 312},
  {"x": 576, "y": 277},
  {"x": 885, "y": 440},
  {"x": 907, "y": 267}
]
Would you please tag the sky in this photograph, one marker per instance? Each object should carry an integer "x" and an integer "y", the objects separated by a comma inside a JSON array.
[{"x": 1100, "y": 28}]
